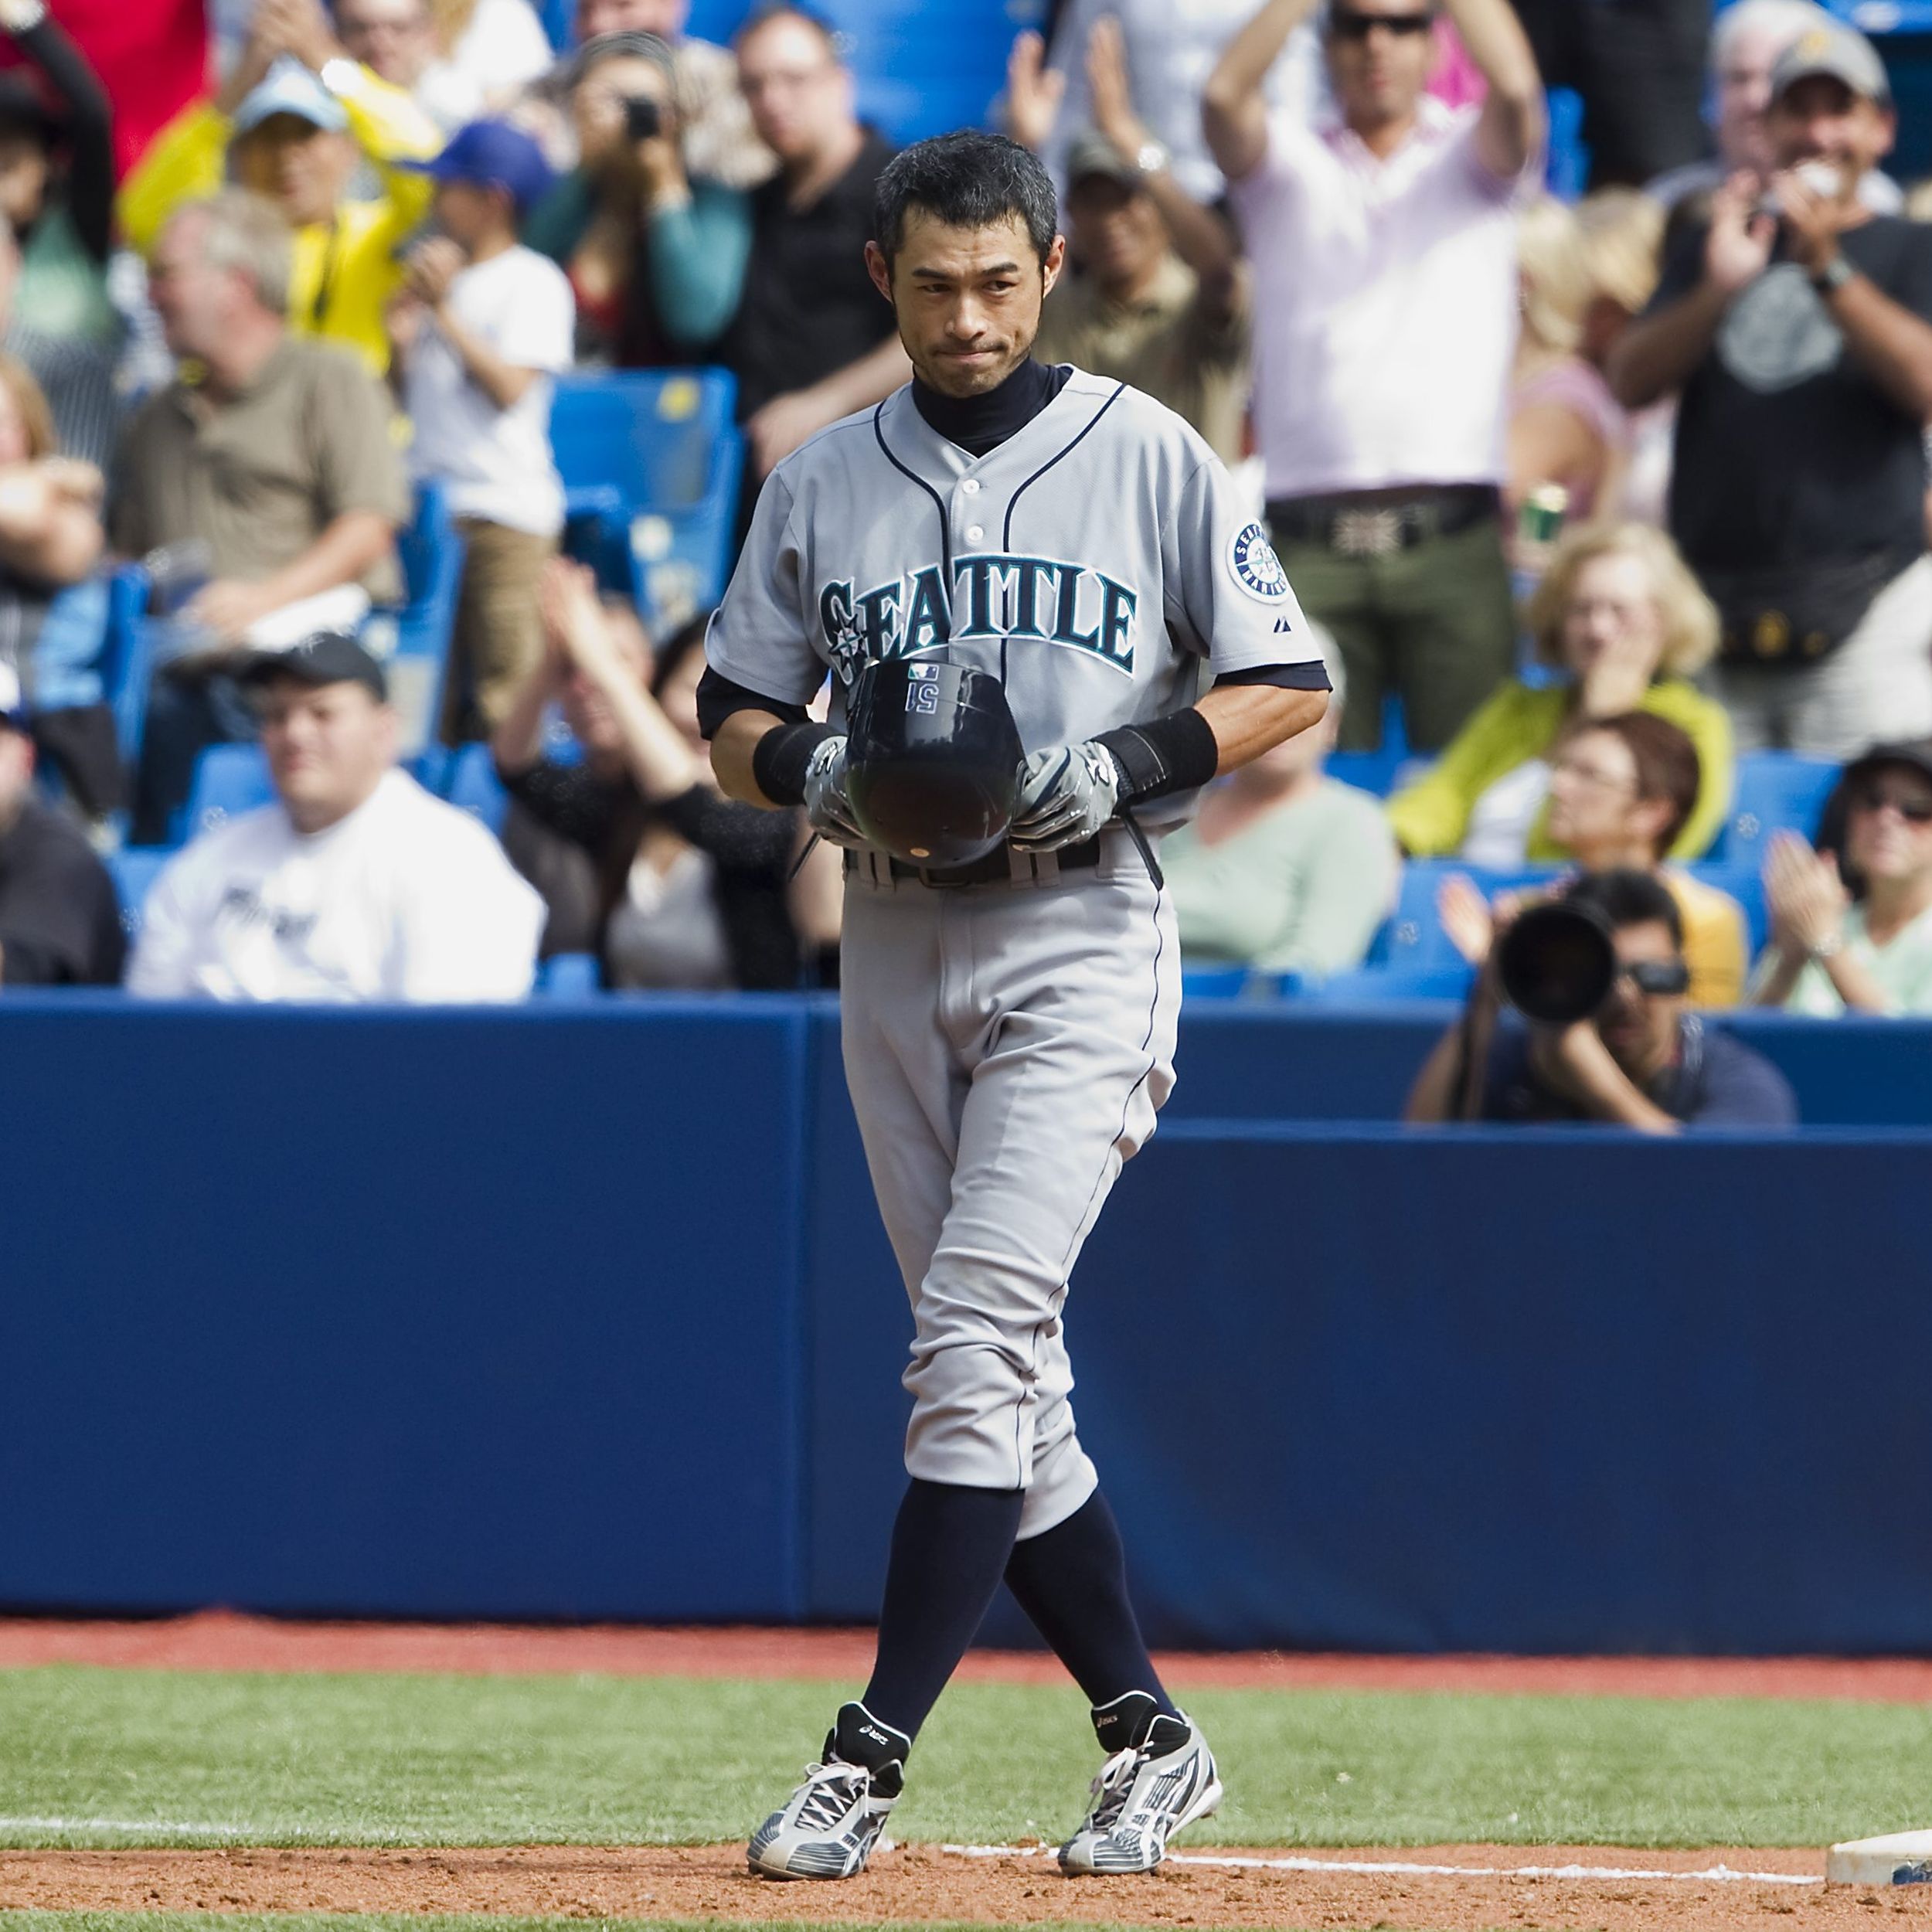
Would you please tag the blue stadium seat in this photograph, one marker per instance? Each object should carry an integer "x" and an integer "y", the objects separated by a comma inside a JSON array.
[
  {"x": 559, "y": 18},
  {"x": 474, "y": 787},
  {"x": 1777, "y": 790},
  {"x": 651, "y": 462},
  {"x": 413, "y": 640},
  {"x": 924, "y": 66},
  {"x": 229, "y": 780},
  {"x": 127, "y": 662},
  {"x": 133, "y": 869},
  {"x": 570, "y": 976},
  {"x": 1215, "y": 982},
  {"x": 1372, "y": 985},
  {"x": 1566, "y": 172},
  {"x": 1375, "y": 771},
  {"x": 1413, "y": 941}
]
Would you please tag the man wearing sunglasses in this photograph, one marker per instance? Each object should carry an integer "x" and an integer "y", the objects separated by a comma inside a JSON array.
[
  {"x": 1642, "y": 1060},
  {"x": 1384, "y": 256}
]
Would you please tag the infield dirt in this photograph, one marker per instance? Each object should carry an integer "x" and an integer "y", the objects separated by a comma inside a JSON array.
[{"x": 920, "y": 1883}]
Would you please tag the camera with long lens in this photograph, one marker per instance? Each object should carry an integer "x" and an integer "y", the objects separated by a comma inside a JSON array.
[
  {"x": 643, "y": 117},
  {"x": 1557, "y": 963}
]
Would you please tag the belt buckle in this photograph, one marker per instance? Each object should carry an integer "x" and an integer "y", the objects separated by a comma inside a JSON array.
[{"x": 1367, "y": 532}]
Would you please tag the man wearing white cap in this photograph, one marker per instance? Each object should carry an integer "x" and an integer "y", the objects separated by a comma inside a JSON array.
[
  {"x": 299, "y": 116},
  {"x": 1798, "y": 324}
]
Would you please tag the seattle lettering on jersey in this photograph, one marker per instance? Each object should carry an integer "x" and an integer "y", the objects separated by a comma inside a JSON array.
[{"x": 1016, "y": 597}]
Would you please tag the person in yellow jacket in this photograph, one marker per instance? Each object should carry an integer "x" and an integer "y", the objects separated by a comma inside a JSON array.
[
  {"x": 1620, "y": 612},
  {"x": 292, "y": 123}
]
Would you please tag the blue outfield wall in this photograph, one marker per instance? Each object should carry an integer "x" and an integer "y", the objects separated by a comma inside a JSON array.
[{"x": 587, "y": 1312}]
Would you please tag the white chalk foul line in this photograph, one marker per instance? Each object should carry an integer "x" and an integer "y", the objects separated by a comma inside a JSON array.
[
  {"x": 160, "y": 1827},
  {"x": 1715, "y": 1875}
]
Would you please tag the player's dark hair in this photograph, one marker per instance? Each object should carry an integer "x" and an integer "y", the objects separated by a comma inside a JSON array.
[
  {"x": 1627, "y": 898},
  {"x": 966, "y": 180}
]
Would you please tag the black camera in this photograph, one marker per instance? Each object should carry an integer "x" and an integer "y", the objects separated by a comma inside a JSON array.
[
  {"x": 1557, "y": 963},
  {"x": 643, "y": 117}
]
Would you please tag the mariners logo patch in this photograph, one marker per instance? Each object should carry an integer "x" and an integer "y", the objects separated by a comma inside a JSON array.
[{"x": 1257, "y": 569}]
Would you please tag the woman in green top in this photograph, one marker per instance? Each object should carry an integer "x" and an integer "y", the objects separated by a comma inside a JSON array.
[
  {"x": 1828, "y": 955},
  {"x": 656, "y": 256},
  {"x": 1618, "y": 611}
]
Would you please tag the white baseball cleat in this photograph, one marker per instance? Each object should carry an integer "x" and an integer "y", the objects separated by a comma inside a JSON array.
[
  {"x": 1162, "y": 1779},
  {"x": 830, "y": 1825}
]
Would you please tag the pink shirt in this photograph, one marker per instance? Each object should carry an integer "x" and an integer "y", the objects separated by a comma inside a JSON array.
[{"x": 1385, "y": 306}]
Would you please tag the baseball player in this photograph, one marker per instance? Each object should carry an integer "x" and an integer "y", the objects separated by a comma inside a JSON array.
[{"x": 1009, "y": 1023}]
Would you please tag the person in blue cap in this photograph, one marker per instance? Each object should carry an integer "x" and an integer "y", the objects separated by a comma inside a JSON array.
[{"x": 481, "y": 325}]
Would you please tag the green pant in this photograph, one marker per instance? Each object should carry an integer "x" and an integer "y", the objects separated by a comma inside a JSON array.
[{"x": 1436, "y": 624}]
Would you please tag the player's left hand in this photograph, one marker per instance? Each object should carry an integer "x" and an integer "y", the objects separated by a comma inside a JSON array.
[
  {"x": 1067, "y": 793},
  {"x": 827, "y": 807}
]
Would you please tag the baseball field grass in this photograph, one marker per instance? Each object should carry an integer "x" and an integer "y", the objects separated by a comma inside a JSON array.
[{"x": 92, "y": 1756}]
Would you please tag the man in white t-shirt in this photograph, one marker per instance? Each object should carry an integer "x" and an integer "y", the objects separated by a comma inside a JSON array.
[
  {"x": 355, "y": 885},
  {"x": 482, "y": 326},
  {"x": 1384, "y": 254}
]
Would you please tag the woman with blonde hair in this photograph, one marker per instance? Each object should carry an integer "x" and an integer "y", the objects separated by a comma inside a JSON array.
[
  {"x": 1565, "y": 427},
  {"x": 1619, "y": 616}
]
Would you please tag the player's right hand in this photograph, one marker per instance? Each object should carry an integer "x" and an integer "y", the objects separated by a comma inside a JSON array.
[{"x": 827, "y": 809}]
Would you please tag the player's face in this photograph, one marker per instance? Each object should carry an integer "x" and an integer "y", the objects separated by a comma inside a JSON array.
[
  {"x": 967, "y": 299},
  {"x": 1380, "y": 54},
  {"x": 327, "y": 746},
  {"x": 1641, "y": 1028},
  {"x": 1613, "y": 607}
]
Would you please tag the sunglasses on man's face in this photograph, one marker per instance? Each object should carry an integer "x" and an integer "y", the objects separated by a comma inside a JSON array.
[
  {"x": 1659, "y": 976},
  {"x": 1345, "y": 23},
  {"x": 1913, "y": 807}
]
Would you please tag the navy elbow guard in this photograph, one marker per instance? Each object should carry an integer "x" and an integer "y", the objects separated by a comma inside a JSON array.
[
  {"x": 781, "y": 757},
  {"x": 1178, "y": 753}
]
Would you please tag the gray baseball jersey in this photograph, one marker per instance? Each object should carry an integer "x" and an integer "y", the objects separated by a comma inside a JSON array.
[
  {"x": 1007, "y": 1046},
  {"x": 1098, "y": 561}
]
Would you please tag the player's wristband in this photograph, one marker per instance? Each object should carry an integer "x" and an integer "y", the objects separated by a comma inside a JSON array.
[
  {"x": 1171, "y": 754},
  {"x": 780, "y": 759}
]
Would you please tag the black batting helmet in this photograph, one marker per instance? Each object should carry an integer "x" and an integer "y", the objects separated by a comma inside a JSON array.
[{"x": 933, "y": 760}]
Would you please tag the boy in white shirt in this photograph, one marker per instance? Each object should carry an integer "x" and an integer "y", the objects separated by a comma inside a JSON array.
[
  {"x": 481, "y": 326},
  {"x": 355, "y": 885}
]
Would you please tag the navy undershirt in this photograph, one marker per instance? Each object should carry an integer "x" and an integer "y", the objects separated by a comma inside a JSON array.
[{"x": 980, "y": 424}]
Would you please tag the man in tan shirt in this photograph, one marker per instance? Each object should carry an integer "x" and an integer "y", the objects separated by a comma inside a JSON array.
[
  {"x": 268, "y": 466},
  {"x": 1163, "y": 300}
]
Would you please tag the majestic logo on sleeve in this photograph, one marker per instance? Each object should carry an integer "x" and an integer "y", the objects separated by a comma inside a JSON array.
[
  {"x": 1257, "y": 569},
  {"x": 1020, "y": 598}
]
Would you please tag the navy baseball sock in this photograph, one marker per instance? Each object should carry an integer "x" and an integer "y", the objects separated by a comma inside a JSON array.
[
  {"x": 950, "y": 1544},
  {"x": 1071, "y": 1581}
]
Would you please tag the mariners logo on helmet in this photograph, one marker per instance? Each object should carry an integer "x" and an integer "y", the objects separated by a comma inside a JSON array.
[{"x": 1257, "y": 569}]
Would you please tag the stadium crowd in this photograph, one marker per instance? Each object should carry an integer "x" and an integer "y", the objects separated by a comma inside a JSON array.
[{"x": 1601, "y": 502}]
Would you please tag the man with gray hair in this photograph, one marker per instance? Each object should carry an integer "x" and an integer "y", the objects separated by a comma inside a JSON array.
[{"x": 269, "y": 461}]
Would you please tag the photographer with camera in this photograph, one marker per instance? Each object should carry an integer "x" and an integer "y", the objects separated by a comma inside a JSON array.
[
  {"x": 655, "y": 255},
  {"x": 1799, "y": 326},
  {"x": 1599, "y": 1028}
]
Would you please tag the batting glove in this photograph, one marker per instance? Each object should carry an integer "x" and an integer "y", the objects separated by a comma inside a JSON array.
[
  {"x": 827, "y": 808},
  {"x": 1067, "y": 793}
]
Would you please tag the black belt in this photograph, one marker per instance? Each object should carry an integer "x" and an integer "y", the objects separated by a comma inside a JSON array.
[
  {"x": 995, "y": 868},
  {"x": 1375, "y": 523}
]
